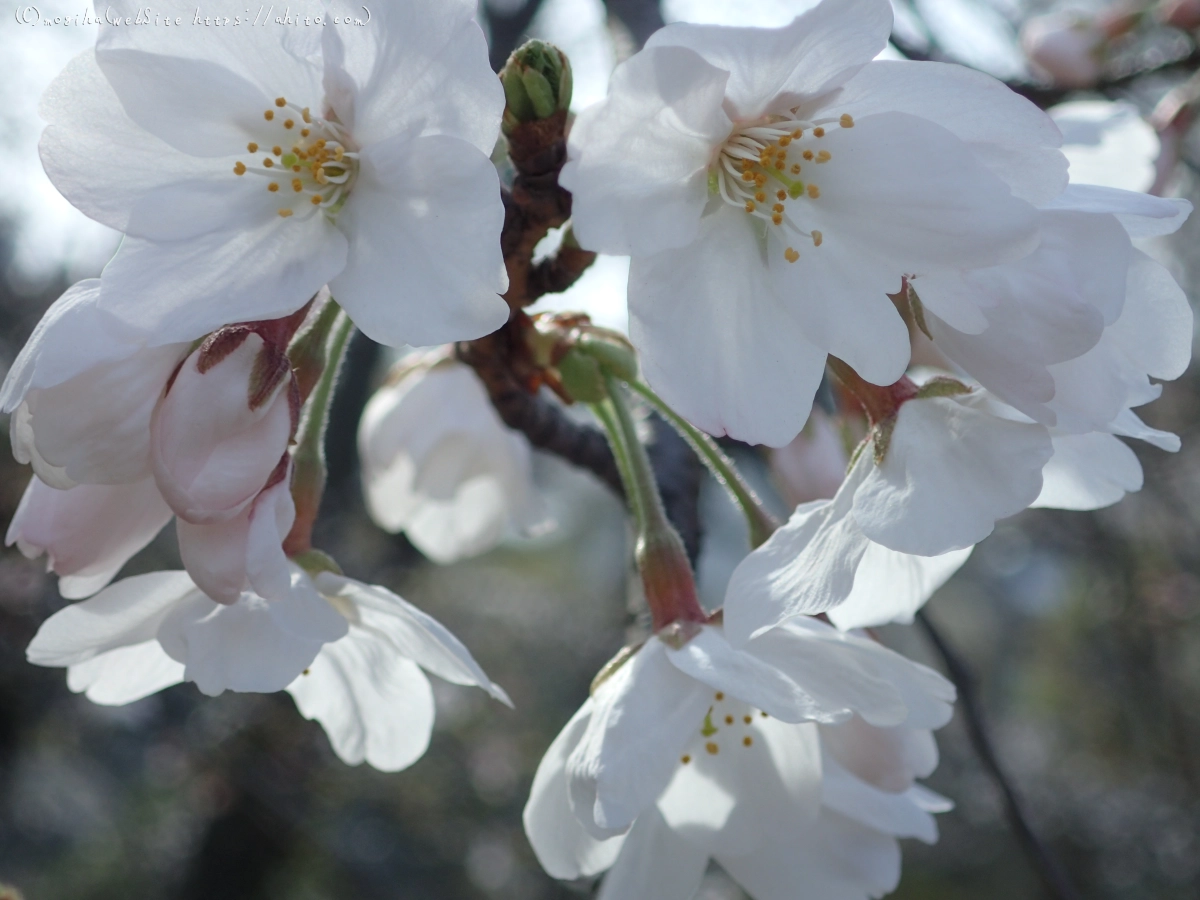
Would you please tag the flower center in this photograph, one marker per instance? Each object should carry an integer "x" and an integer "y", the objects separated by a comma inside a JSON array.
[
  {"x": 728, "y": 726},
  {"x": 759, "y": 170},
  {"x": 310, "y": 163}
]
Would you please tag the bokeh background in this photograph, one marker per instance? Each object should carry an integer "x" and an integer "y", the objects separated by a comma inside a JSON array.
[{"x": 1082, "y": 629}]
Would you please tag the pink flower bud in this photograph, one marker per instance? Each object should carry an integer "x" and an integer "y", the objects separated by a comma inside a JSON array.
[
  {"x": 813, "y": 466},
  {"x": 222, "y": 427},
  {"x": 87, "y": 532},
  {"x": 1066, "y": 48}
]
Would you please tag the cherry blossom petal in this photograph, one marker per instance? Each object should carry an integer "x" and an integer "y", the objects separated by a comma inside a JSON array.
[
  {"x": 807, "y": 566},
  {"x": 88, "y": 128},
  {"x": 1141, "y": 214},
  {"x": 210, "y": 452},
  {"x": 395, "y": 75},
  {"x": 1088, "y": 471},
  {"x": 422, "y": 225},
  {"x": 376, "y": 707},
  {"x": 643, "y": 716},
  {"x": 73, "y": 336},
  {"x": 1006, "y": 132},
  {"x": 412, "y": 633},
  {"x": 655, "y": 862},
  {"x": 772, "y": 70},
  {"x": 243, "y": 553},
  {"x": 638, "y": 162},
  {"x": 559, "y": 841},
  {"x": 950, "y": 472},
  {"x": 125, "y": 614},
  {"x": 893, "y": 813},
  {"x": 837, "y": 860},
  {"x": 125, "y": 674},
  {"x": 718, "y": 344},
  {"x": 276, "y": 60},
  {"x": 890, "y": 586},
  {"x": 88, "y": 532},
  {"x": 253, "y": 644},
  {"x": 182, "y": 290}
]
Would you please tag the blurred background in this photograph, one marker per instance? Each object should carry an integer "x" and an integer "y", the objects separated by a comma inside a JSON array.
[{"x": 1083, "y": 629}]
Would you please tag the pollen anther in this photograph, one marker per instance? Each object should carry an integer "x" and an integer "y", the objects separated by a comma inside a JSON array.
[
  {"x": 284, "y": 213},
  {"x": 239, "y": 168},
  {"x": 281, "y": 102},
  {"x": 252, "y": 147},
  {"x": 712, "y": 748},
  {"x": 814, "y": 191},
  {"x": 846, "y": 121},
  {"x": 791, "y": 255},
  {"x": 269, "y": 115},
  {"x": 817, "y": 238},
  {"x": 818, "y": 131}
]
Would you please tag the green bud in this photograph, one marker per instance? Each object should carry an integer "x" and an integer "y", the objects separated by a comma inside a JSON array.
[
  {"x": 582, "y": 378},
  {"x": 537, "y": 83},
  {"x": 611, "y": 350}
]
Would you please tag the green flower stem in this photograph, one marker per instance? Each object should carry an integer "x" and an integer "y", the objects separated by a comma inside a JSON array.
[
  {"x": 308, "y": 459},
  {"x": 662, "y": 561},
  {"x": 607, "y": 417},
  {"x": 762, "y": 523}
]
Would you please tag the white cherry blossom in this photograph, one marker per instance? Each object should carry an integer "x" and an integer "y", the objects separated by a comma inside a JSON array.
[
  {"x": 350, "y": 654},
  {"x": 776, "y": 803},
  {"x": 774, "y": 185},
  {"x": 440, "y": 465},
  {"x": 628, "y": 739},
  {"x": 258, "y": 164}
]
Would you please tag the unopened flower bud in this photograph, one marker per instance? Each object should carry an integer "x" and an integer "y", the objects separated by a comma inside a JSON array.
[
  {"x": 1068, "y": 49},
  {"x": 537, "y": 83},
  {"x": 220, "y": 430}
]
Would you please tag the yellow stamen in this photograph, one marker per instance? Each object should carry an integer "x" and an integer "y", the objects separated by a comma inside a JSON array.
[
  {"x": 296, "y": 167},
  {"x": 316, "y": 201},
  {"x": 284, "y": 213},
  {"x": 273, "y": 187},
  {"x": 796, "y": 169},
  {"x": 817, "y": 238},
  {"x": 268, "y": 162},
  {"x": 761, "y": 196},
  {"x": 824, "y": 156},
  {"x": 785, "y": 140},
  {"x": 269, "y": 115},
  {"x": 781, "y": 194},
  {"x": 252, "y": 147},
  {"x": 720, "y": 696},
  {"x": 778, "y": 207},
  {"x": 814, "y": 191},
  {"x": 239, "y": 168},
  {"x": 777, "y": 218},
  {"x": 750, "y": 206},
  {"x": 747, "y": 719},
  {"x": 277, "y": 150},
  {"x": 818, "y": 131},
  {"x": 712, "y": 748},
  {"x": 846, "y": 121},
  {"x": 280, "y": 102},
  {"x": 304, "y": 132},
  {"x": 791, "y": 255},
  {"x": 297, "y": 185},
  {"x": 685, "y": 759},
  {"x": 747, "y": 741},
  {"x": 729, "y": 720},
  {"x": 289, "y": 123},
  {"x": 807, "y": 154}
]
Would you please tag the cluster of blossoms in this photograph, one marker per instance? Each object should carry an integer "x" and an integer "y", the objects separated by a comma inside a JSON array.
[{"x": 796, "y": 211}]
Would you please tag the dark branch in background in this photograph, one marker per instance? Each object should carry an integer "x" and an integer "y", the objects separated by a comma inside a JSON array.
[
  {"x": 641, "y": 18},
  {"x": 508, "y": 30},
  {"x": 1052, "y": 873}
]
